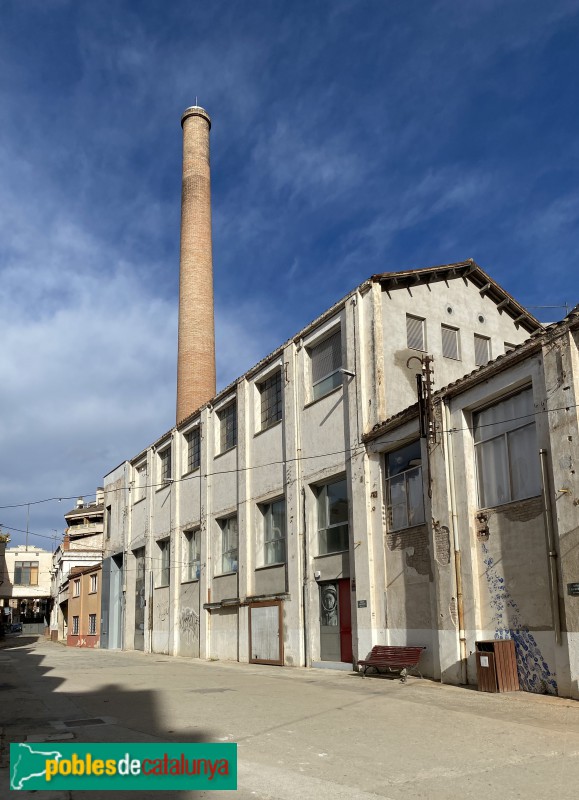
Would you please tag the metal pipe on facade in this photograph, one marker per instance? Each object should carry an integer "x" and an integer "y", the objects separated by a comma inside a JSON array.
[
  {"x": 551, "y": 550},
  {"x": 456, "y": 545}
]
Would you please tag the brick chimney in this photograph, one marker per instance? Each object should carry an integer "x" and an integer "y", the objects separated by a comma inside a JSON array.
[{"x": 196, "y": 354}]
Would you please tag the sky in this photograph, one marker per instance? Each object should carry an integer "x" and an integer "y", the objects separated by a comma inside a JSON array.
[{"x": 349, "y": 137}]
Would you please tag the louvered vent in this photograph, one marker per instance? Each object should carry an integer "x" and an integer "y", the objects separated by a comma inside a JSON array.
[
  {"x": 482, "y": 350},
  {"x": 449, "y": 342},
  {"x": 415, "y": 333}
]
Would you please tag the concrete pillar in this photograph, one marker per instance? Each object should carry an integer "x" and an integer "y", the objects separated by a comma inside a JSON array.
[{"x": 196, "y": 350}]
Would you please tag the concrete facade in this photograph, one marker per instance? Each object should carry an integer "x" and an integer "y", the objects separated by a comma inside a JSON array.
[
  {"x": 183, "y": 593},
  {"x": 493, "y": 570}
]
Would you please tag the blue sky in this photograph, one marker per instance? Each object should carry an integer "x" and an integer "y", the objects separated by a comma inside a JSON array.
[{"x": 348, "y": 138}]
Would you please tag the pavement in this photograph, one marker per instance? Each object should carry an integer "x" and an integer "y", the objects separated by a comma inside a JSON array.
[{"x": 301, "y": 733}]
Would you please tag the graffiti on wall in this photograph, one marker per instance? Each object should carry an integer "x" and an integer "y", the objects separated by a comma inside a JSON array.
[
  {"x": 189, "y": 624},
  {"x": 534, "y": 672}
]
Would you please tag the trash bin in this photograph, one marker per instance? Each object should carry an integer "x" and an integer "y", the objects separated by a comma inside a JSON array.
[{"x": 496, "y": 666}]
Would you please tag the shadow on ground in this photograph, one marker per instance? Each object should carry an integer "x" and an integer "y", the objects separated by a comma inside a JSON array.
[{"x": 32, "y": 703}]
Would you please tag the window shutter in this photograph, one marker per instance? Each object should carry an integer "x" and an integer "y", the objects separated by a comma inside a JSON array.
[
  {"x": 327, "y": 357},
  {"x": 482, "y": 350},
  {"x": 449, "y": 342},
  {"x": 415, "y": 333}
]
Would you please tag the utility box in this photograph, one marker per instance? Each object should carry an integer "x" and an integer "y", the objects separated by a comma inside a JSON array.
[{"x": 496, "y": 666}]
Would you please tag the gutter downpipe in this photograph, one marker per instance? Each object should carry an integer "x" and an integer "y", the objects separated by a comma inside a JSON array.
[
  {"x": 456, "y": 545},
  {"x": 301, "y": 494},
  {"x": 551, "y": 550}
]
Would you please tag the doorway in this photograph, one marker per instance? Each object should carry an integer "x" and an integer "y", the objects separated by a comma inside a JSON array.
[{"x": 335, "y": 621}]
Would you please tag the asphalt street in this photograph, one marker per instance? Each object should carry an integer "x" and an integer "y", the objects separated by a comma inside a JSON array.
[{"x": 300, "y": 732}]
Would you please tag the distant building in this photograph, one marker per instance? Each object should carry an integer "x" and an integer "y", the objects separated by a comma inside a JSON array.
[
  {"x": 84, "y": 606},
  {"x": 81, "y": 547},
  {"x": 25, "y": 586}
]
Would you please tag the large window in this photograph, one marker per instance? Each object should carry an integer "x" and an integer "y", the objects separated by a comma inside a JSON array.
[
  {"x": 26, "y": 573},
  {"x": 193, "y": 440},
  {"x": 165, "y": 562},
  {"x": 273, "y": 519},
  {"x": 192, "y": 565},
  {"x": 229, "y": 544},
  {"x": 76, "y": 588},
  {"x": 507, "y": 459},
  {"x": 165, "y": 464},
  {"x": 91, "y": 624},
  {"x": 332, "y": 517},
  {"x": 415, "y": 332},
  {"x": 227, "y": 427},
  {"x": 404, "y": 487},
  {"x": 326, "y": 359},
  {"x": 270, "y": 394}
]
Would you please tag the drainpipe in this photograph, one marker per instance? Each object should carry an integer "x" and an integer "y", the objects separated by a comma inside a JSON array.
[
  {"x": 301, "y": 494},
  {"x": 305, "y": 581},
  {"x": 551, "y": 550},
  {"x": 456, "y": 544}
]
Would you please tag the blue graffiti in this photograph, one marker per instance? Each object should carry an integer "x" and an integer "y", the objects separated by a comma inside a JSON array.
[{"x": 534, "y": 673}]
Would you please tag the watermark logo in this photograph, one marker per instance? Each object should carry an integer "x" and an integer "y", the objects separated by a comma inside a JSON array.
[{"x": 152, "y": 766}]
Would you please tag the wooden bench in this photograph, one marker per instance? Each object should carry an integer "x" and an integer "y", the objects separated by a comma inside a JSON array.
[{"x": 392, "y": 658}]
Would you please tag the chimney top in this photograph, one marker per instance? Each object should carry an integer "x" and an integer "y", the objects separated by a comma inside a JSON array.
[{"x": 196, "y": 111}]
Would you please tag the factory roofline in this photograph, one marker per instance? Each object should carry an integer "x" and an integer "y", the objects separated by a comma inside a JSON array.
[
  {"x": 496, "y": 365},
  {"x": 468, "y": 270}
]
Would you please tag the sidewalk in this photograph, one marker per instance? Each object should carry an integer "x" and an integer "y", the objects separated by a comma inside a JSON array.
[{"x": 300, "y": 733}]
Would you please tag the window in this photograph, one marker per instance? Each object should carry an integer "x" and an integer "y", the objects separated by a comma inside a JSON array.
[
  {"x": 332, "y": 517},
  {"x": 76, "y": 588},
  {"x": 192, "y": 565},
  {"x": 482, "y": 350},
  {"x": 404, "y": 487},
  {"x": 326, "y": 360},
  {"x": 91, "y": 624},
  {"x": 140, "y": 481},
  {"x": 193, "y": 439},
  {"x": 227, "y": 427},
  {"x": 273, "y": 532},
  {"x": 415, "y": 332},
  {"x": 26, "y": 573},
  {"x": 507, "y": 460},
  {"x": 165, "y": 464},
  {"x": 270, "y": 392},
  {"x": 93, "y": 583},
  {"x": 108, "y": 521},
  {"x": 165, "y": 567},
  {"x": 75, "y": 626},
  {"x": 229, "y": 544},
  {"x": 450, "y": 347}
]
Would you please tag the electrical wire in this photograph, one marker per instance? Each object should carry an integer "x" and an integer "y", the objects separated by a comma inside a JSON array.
[{"x": 237, "y": 470}]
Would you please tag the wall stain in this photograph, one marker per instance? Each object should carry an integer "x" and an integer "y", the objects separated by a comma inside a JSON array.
[
  {"x": 442, "y": 545},
  {"x": 523, "y": 511},
  {"x": 415, "y": 539},
  {"x": 534, "y": 672}
]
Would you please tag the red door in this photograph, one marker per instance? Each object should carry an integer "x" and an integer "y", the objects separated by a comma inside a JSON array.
[{"x": 345, "y": 606}]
